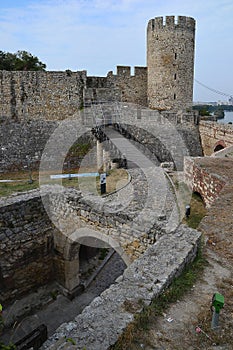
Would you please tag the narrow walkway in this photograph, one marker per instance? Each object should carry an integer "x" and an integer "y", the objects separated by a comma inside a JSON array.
[{"x": 159, "y": 200}]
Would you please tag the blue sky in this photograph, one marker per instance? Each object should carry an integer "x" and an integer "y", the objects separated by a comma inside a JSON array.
[{"x": 97, "y": 35}]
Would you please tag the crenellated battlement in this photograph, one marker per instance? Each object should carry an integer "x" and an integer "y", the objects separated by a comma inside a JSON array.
[
  {"x": 126, "y": 71},
  {"x": 171, "y": 22}
]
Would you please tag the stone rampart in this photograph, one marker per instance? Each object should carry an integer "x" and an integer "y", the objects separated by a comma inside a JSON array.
[
  {"x": 112, "y": 219},
  {"x": 215, "y": 134},
  {"x": 104, "y": 320},
  {"x": 34, "y": 252},
  {"x": 165, "y": 134},
  {"x": 22, "y": 143},
  {"x": 133, "y": 88},
  {"x": 59, "y": 95},
  {"x": 41, "y": 95}
]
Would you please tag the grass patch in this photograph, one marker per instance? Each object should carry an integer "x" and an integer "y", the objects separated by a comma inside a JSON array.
[
  {"x": 7, "y": 347},
  {"x": 103, "y": 253},
  {"x": 93, "y": 185},
  {"x": 20, "y": 182},
  {"x": 224, "y": 336},
  {"x": 198, "y": 211},
  {"x": 88, "y": 184},
  {"x": 138, "y": 330},
  {"x": 6, "y": 189}
]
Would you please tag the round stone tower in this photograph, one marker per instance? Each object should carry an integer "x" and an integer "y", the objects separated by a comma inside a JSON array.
[{"x": 170, "y": 62}]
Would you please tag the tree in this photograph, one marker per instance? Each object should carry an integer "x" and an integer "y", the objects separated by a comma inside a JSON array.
[
  {"x": 21, "y": 60},
  {"x": 219, "y": 113}
]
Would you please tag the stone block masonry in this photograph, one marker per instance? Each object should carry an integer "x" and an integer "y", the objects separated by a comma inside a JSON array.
[
  {"x": 26, "y": 244},
  {"x": 170, "y": 62},
  {"x": 166, "y": 84},
  {"x": 133, "y": 88},
  {"x": 41, "y": 95},
  {"x": 59, "y": 95},
  {"x": 22, "y": 143}
]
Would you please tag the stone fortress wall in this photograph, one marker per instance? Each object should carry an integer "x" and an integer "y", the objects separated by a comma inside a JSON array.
[
  {"x": 59, "y": 95},
  {"x": 23, "y": 215},
  {"x": 201, "y": 180},
  {"x": 33, "y": 103},
  {"x": 34, "y": 252},
  {"x": 22, "y": 143},
  {"x": 27, "y": 262},
  {"x": 40, "y": 95}
]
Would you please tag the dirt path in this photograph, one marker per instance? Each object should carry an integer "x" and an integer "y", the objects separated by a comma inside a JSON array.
[{"x": 175, "y": 330}]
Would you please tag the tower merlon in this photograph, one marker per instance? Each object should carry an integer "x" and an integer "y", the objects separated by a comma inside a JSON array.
[
  {"x": 140, "y": 70},
  {"x": 171, "y": 22},
  {"x": 124, "y": 70}
]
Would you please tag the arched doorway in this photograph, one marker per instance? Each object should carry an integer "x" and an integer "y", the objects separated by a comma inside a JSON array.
[
  {"x": 219, "y": 146},
  {"x": 99, "y": 267},
  {"x": 198, "y": 210}
]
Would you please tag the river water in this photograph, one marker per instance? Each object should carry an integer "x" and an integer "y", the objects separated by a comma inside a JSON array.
[{"x": 228, "y": 118}]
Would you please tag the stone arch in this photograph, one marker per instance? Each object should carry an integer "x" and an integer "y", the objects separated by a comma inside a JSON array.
[
  {"x": 95, "y": 238},
  {"x": 199, "y": 194},
  {"x": 67, "y": 250},
  {"x": 219, "y": 145}
]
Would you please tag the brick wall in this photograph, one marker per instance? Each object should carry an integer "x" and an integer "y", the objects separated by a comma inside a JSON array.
[{"x": 203, "y": 180}]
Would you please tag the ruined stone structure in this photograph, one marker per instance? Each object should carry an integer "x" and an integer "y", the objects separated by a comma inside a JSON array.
[
  {"x": 33, "y": 251},
  {"x": 170, "y": 62},
  {"x": 40, "y": 95},
  {"x": 59, "y": 95},
  {"x": 104, "y": 320},
  {"x": 129, "y": 220},
  {"x": 22, "y": 143},
  {"x": 167, "y": 83}
]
